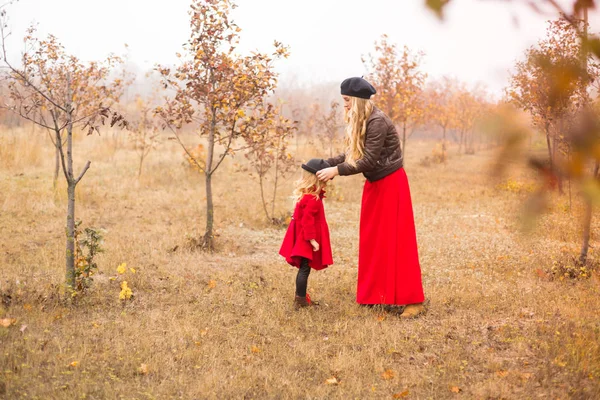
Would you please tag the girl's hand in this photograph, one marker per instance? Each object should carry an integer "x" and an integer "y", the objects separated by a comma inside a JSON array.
[
  {"x": 314, "y": 244},
  {"x": 327, "y": 174}
]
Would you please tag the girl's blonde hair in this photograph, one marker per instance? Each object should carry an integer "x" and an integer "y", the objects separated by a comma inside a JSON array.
[
  {"x": 308, "y": 184},
  {"x": 356, "y": 127}
]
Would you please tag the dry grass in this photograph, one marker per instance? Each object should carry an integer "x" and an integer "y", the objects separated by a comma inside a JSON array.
[{"x": 222, "y": 325}]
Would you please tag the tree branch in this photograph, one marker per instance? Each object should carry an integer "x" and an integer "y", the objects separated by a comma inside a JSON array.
[
  {"x": 85, "y": 168},
  {"x": 226, "y": 148},
  {"x": 59, "y": 144},
  {"x": 19, "y": 113},
  {"x": 185, "y": 148}
]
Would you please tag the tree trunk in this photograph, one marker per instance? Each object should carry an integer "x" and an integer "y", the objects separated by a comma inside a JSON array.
[
  {"x": 141, "y": 163},
  {"x": 56, "y": 164},
  {"x": 587, "y": 223},
  {"x": 549, "y": 144},
  {"x": 262, "y": 197},
  {"x": 71, "y": 184},
  {"x": 70, "y": 253},
  {"x": 558, "y": 177},
  {"x": 208, "y": 239},
  {"x": 277, "y": 155}
]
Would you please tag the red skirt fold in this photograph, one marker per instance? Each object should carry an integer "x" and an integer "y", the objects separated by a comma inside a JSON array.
[{"x": 388, "y": 259}]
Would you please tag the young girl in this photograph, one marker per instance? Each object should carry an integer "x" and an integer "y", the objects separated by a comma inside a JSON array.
[{"x": 306, "y": 242}]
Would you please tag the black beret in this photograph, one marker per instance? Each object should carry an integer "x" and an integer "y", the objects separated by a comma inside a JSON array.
[
  {"x": 315, "y": 164},
  {"x": 357, "y": 87}
]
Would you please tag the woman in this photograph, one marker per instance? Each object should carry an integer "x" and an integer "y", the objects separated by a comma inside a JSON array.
[{"x": 388, "y": 261}]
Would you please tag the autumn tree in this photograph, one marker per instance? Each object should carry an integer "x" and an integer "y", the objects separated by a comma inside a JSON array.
[
  {"x": 469, "y": 108},
  {"x": 214, "y": 90},
  {"x": 554, "y": 84},
  {"x": 547, "y": 83},
  {"x": 60, "y": 93},
  {"x": 440, "y": 108},
  {"x": 267, "y": 134},
  {"x": 330, "y": 125},
  {"x": 144, "y": 132},
  {"x": 400, "y": 84}
]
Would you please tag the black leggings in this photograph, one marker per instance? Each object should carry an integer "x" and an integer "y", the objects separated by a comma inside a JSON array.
[{"x": 302, "y": 278}]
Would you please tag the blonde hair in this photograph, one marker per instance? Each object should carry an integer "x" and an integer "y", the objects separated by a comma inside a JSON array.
[
  {"x": 356, "y": 128},
  {"x": 308, "y": 184}
]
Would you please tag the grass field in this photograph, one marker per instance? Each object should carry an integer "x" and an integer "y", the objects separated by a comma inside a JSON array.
[{"x": 222, "y": 325}]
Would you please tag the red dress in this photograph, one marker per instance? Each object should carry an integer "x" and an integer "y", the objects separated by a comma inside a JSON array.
[
  {"x": 308, "y": 223},
  {"x": 388, "y": 259}
]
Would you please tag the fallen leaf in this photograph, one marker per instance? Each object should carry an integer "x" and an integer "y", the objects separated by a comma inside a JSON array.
[
  {"x": 526, "y": 376},
  {"x": 122, "y": 268},
  {"x": 455, "y": 389},
  {"x": 27, "y": 307},
  {"x": 559, "y": 363},
  {"x": 74, "y": 364},
  {"x": 541, "y": 274},
  {"x": 332, "y": 381},
  {"x": 402, "y": 394},
  {"x": 143, "y": 369},
  {"x": 6, "y": 322},
  {"x": 381, "y": 318},
  {"x": 203, "y": 332},
  {"x": 212, "y": 284},
  {"x": 23, "y": 327},
  {"x": 388, "y": 374},
  {"x": 502, "y": 373},
  {"x": 254, "y": 349}
]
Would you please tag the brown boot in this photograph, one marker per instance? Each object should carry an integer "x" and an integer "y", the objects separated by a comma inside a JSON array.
[
  {"x": 300, "y": 302},
  {"x": 414, "y": 310}
]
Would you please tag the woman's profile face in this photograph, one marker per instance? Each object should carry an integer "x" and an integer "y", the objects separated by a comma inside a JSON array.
[{"x": 346, "y": 102}]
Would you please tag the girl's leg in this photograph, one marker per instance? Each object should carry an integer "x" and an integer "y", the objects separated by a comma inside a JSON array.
[{"x": 302, "y": 278}]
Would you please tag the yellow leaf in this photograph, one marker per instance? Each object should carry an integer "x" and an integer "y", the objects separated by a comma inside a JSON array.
[
  {"x": 388, "y": 374},
  {"x": 143, "y": 369},
  {"x": 126, "y": 292},
  {"x": 74, "y": 364},
  {"x": 332, "y": 381},
  {"x": 381, "y": 318},
  {"x": 121, "y": 269},
  {"x": 212, "y": 284},
  {"x": 132, "y": 270},
  {"x": 502, "y": 373},
  {"x": 255, "y": 349},
  {"x": 402, "y": 394},
  {"x": 6, "y": 322},
  {"x": 455, "y": 389}
]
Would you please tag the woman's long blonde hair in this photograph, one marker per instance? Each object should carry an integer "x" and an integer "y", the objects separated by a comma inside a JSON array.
[
  {"x": 356, "y": 127},
  {"x": 308, "y": 184}
]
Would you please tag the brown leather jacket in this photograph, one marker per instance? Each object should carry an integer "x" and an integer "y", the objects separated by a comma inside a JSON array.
[{"x": 382, "y": 150}]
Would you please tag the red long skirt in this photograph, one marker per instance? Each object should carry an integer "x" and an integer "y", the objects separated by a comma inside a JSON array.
[{"x": 388, "y": 259}]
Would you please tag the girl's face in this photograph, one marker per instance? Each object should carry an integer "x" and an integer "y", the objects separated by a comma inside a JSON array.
[{"x": 347, "y": 104}]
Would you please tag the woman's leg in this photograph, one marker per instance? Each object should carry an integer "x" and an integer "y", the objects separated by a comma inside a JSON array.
[{"x": 302, "y": 278}]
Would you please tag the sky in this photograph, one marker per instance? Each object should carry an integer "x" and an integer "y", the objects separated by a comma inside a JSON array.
[{"x": 478, "y": 41}]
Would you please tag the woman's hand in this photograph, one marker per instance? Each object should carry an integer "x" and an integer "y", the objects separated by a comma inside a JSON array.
[
  {"x": 314, "y": 244},
  {"x": 327, "y": 174}
]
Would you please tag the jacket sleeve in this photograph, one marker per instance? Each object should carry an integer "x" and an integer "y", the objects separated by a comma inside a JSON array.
[
  {"x": 374, "y": 140},
  {"x": 336, "y": 160},
  {"x": 311, "y": 208}
]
